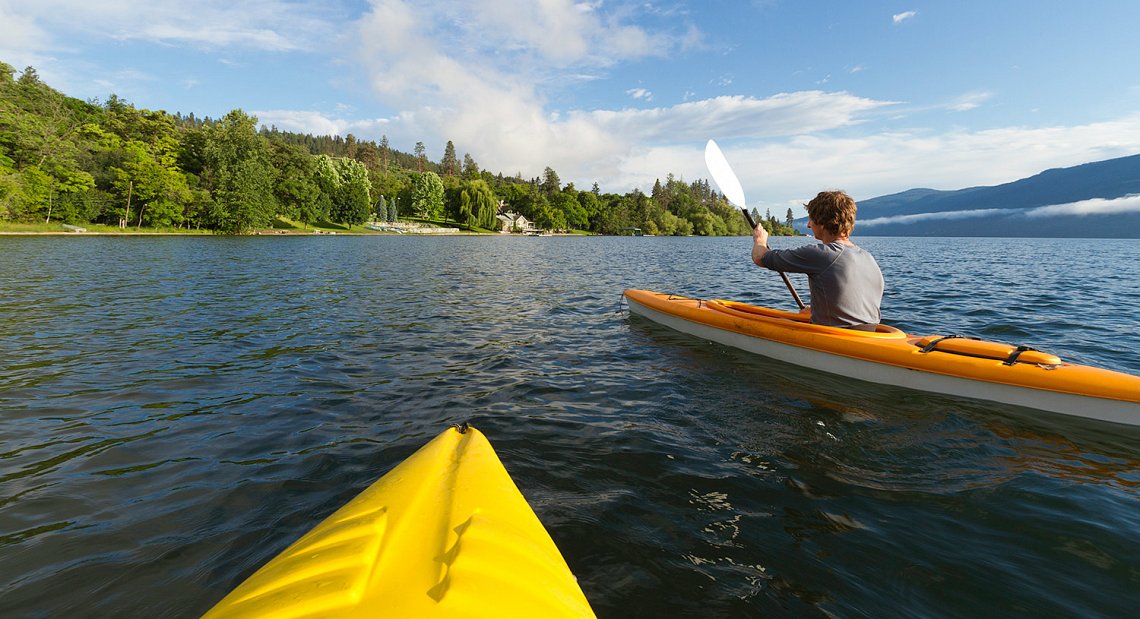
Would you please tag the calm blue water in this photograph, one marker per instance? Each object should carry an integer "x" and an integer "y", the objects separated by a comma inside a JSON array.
[{"x": 175, "y": 411}]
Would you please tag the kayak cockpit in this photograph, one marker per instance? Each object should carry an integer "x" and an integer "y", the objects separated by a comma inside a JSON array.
[{"x": 798, "y": 321}]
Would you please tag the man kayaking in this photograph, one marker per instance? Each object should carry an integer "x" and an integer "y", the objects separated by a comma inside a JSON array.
[{"x": 845, "y": 281}]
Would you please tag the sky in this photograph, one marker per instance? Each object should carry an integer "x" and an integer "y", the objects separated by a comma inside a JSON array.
[{"x": 874, "y": 97}]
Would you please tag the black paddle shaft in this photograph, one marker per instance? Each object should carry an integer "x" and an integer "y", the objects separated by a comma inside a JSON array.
[{"x": 787, "y": 282}]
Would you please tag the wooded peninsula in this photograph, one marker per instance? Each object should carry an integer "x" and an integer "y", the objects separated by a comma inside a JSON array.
[{"x": 67, "y": 161}]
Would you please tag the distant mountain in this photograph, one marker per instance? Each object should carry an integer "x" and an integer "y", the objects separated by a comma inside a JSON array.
[{"x": 1097, "y": 200}]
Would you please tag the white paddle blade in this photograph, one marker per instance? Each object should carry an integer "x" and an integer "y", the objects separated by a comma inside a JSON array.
[{"x": 723, "y": 175}]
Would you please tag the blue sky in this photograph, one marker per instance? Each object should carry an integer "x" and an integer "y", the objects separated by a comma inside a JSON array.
[{"x": 874, "y": 97}]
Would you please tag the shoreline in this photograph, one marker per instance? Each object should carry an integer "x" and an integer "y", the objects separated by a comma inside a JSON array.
[{"x": 271, "y": 232}]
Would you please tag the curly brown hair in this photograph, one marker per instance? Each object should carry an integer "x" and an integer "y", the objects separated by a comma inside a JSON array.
[{"x": 834, "y": 210}]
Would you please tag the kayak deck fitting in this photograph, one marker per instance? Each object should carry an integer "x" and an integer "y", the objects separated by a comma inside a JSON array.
[
  {"x": 950, "y": 365},
  {"x": 444, "y": 534}
]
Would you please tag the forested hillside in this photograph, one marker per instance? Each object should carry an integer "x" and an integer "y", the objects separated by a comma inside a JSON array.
[{"x": 75, "y": 162}]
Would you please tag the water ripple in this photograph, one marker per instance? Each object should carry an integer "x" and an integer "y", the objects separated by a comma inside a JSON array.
[{"x": 175, "y": 411}]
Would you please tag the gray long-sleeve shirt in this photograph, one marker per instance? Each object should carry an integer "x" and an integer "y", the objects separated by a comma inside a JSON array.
[{"x": 845, "y": 281}]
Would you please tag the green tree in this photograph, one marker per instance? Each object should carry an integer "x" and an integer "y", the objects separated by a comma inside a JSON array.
[
  {"x": 449, "y": 164},
  {"x": 572, "y": 213},
  {"x": 326, "y": 174},
  {"x": 352, "y": 201},
  {"x": 425, "y": 195},
  {"x": 421, "y": 157},
  {"x": 159, "y": 192},
  {"x": 296, "y": 189},
  {"x": 42, "y": 146},
  {"x": 381, "y": 211},
  {"x": 350, "y": 146},
  {"x": 473, "y": 204},
  {"x": 9, "y": 185},
  {"x": 239, "y": 174},
  {"x": 526, "y": 200},
  {"x": 142, "y": 150},
  {"x": 393, "y": 211},
  {"x": 369, "y": 155},
  {"x": 385, "y": 152},
  {"x": 551, "y": 184},
  {"x": 615, "y": 213},
  {"x": 470, "y": 168},
  {"x": 389, "y": 183},
  {"x": 591, "y": 206}
]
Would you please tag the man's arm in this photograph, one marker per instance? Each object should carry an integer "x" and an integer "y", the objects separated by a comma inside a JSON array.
[{"x": 759, "y": 244}]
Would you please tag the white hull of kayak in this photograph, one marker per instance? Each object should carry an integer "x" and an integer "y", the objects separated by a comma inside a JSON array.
[{"x": 1102, "y": 409}]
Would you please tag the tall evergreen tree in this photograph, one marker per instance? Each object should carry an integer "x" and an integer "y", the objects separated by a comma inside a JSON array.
[
  {"x": 449, "y": 165},
  {"x": 421, "y": 157},
  {"x": 350, "y": 146},
  {"x": 470, "y": 168},
  {"x": 551, "y": 184},
  {"x": 381, "y": 213}
]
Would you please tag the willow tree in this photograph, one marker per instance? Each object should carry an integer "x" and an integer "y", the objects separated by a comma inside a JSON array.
[{"x": 473, "y": 204}]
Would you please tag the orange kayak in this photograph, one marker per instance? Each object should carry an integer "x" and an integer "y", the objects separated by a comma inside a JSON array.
[{"x": 950, "y": 365}]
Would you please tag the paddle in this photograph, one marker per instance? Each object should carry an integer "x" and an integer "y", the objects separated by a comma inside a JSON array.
[{"x": 726, "y": 179}]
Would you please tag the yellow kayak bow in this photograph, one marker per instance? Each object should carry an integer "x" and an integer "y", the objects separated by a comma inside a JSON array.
[{"x": 444, "y": 534}]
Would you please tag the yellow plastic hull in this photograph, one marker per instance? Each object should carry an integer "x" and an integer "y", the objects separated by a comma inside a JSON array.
[
  {"x": 444, "y": 534},
  {"x": 960, "y": 367}
]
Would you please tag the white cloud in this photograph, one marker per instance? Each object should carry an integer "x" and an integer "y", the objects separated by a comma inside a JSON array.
[
  {"x": 19, "y": 31},
  {"x": 57, "y": 36},
  {"x": 919, "y": 217},
  {"x": 969, "y": 101},
  {"x": 780, "y": 115},
  {"x": 487, "y": 87},
  {"x": 23, "y": 42},
  {"x": 640, "y": 93},
  {"x": 317, "y": 123},
  {"x": 1095, "y": 206},
  {"x": 899, "y": 18},
  {"x": 275, "y": 25}
]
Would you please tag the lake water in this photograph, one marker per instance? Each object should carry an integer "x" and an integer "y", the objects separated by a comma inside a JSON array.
[{"x": 174, "y": 411}]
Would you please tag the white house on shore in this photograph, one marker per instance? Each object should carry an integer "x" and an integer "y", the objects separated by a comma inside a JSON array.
[{"x": 511, "y": 222}]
